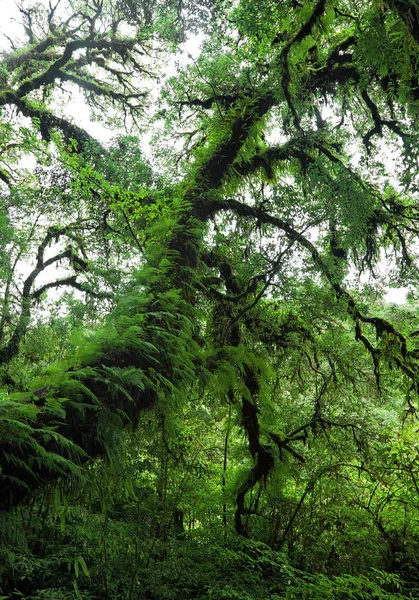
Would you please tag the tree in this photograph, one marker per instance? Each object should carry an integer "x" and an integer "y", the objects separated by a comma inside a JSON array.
[{"x": 247, "y": 240}]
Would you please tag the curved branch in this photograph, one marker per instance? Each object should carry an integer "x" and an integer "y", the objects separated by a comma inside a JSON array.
[
  {"x": 72, "y": 282},
  {"x": 54, "y": 70},
  {"x": 406, "y": 360},
  {"x": 11, "y": 348},
  {"x": 48, "y": 121}
]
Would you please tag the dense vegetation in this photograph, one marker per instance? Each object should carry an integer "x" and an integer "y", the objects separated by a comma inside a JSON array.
[{"x": 203, "y": 393}]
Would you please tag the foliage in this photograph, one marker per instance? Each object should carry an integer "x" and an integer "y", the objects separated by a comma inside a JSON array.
[{"x": 203, "y": 394}]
